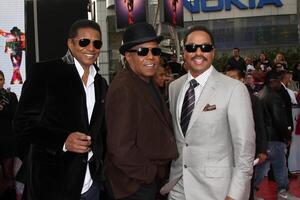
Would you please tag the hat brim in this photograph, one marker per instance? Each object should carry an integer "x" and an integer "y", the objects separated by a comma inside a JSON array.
[{"x": 128, "y": 45}]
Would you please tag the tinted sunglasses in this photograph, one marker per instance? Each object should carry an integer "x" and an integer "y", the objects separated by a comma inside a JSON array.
[
  {"x": 191, "y": 48},
  {"x": 85, "y": 42},
  {"x": 143, "y": 51}
]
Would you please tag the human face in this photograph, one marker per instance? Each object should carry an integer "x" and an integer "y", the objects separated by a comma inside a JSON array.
[
  {"x": 249, "y": 80},
  {"x": 2, "y": 81},
  {"x": 279, "y": 57},
  {"x": 144, "y": 66},
  {"x": 197, "y": 62},
  {"x": 235, "y": 53},
  {"x": 160, "y": 77},
  {"x": 262, "y": 57},
  {"x": 87, "y": 55}
]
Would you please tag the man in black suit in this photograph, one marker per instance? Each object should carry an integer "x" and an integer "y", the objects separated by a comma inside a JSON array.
[
  {"x": 61, "y": 114},
  {"x": 287, "y": 99}
]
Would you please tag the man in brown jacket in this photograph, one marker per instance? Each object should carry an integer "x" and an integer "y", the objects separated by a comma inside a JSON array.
[{"x": 140, "y": 139}]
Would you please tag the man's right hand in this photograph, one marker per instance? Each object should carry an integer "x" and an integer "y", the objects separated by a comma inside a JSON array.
[{"x": 78, "y": 142}]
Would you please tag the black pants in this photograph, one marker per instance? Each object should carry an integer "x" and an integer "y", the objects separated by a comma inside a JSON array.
[
  {"x": 92, "y": 194},
  {"x": 145, "y": 192}
]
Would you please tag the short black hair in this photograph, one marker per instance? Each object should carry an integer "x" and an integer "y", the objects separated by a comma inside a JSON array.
[
  {"x": 83, "y": 23},
  {"x": 271, "y": 75},
  {"x": 240, "y": 73},
  {"x": 198, "y": 28}
]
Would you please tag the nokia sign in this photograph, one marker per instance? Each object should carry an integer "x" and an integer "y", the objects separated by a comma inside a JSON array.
[{"x": 220, "y": 4}]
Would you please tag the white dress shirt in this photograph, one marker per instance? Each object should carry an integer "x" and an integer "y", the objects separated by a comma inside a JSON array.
[
  {"x": 90, "y": 102},
  {"x": 201, "y": 79}
]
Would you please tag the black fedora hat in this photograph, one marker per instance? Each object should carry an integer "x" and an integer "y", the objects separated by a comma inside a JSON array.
[{"x": 137, "y": 34}]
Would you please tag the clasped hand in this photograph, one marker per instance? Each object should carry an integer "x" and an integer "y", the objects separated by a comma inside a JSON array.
[{"x": 78, "y": 142}]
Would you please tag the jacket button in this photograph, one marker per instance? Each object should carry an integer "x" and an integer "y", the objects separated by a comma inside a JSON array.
[
  {"x": 84, "y": 160},
  {"x": 186, "y": 144},
  {"x": 184, "y": 166}
]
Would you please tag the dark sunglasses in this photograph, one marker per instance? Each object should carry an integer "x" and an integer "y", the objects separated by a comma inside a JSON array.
[
  {"x": 191, "y": 48},
  {"x": 85, "y": 42},
  {"x": 143, "y": 51}
]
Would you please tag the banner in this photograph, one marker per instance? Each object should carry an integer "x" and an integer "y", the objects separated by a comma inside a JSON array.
[
  {"x": 173, "y": 12},
  {"x": 12, "y": 43},
  {"x": 130, "y": 12}
]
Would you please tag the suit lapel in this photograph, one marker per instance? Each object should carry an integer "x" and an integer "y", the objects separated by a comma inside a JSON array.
[
  {"x": 79, "y": 84},
  {"x": 208, "y": 92},
  {"x": 178, "y": 92},
  {"x": 161, "y": 114},
  {"x": 99, "y": 99}
]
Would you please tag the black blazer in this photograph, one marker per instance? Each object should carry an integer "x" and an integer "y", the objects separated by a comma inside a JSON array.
[
  {"x": 288, "y": 105},
  {"x": 52, "y": 105},
  {"x": 9, "y": 102},
  {"x": 260, "y": 128}
]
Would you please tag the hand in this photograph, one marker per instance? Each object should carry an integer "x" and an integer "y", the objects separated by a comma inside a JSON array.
[
  {"x": 78, "y": 142},
  {"x": 228, "y": 198},
  {"x": 262, "y": 157}
]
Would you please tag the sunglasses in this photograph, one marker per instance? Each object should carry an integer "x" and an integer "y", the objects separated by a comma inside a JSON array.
[
  {"x": 191, "y": 48},
  {"x": 143, "y": 51},
  {"x": 85, "y": 42}
]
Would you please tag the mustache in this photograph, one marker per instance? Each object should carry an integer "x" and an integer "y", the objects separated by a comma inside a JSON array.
[{"x": 201, "y": 57}]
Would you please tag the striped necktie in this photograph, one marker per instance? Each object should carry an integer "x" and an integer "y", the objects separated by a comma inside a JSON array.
[{"x": 188, "y": 106}]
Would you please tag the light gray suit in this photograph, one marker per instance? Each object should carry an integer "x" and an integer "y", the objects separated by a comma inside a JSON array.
[{"x": 216, "y": 155}]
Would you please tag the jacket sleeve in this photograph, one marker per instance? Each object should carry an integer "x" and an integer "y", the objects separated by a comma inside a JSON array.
[
  {"x": 260, "y": 128},
  {"x": 241, "y": 124},
  {"x": 28, "y": 116},
  {"x": 279, "y": 117}
]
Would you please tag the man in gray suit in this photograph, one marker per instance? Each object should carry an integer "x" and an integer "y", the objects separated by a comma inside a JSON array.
[{"x": 214, "y": 129}]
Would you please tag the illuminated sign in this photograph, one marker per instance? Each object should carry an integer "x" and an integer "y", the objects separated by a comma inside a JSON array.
[
  {"x": 12, "y": 43},
  {"x": 194, "y": 6}
]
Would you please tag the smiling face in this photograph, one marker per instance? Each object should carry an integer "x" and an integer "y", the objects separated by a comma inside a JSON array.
[
  {"x": 144, "y": 66},
  {"x": 87, "y": 55},
  {"x": 197, "y": 62}
]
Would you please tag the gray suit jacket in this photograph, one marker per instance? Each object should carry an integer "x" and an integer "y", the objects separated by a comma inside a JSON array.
[{"x": 216, "y": 155}]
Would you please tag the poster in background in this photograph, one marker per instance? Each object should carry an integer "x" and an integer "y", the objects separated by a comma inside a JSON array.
[
  {"x": 12, "y": 43},
  {"x": 173, "y": 12},
  {"x": 130, "y": 12}
]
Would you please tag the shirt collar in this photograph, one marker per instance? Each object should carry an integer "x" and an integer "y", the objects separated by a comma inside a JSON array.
[
  {"x": 80, "y": 70},
  {"x": 202, "y": 78}
]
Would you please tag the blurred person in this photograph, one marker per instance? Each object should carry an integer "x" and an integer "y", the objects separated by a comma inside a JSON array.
[
  {"x": 249, "y": 64},
  {"x": 162, "y": 79},
  {"x": 296, "y": 73},
  {"x": 260, "y": 132},
  {"x": 140, "y": 138},
  {"x": 265, "y": 64},
  {"x": 62, "y": 117},
  {"x": 278, "y": 135},
  {"x": 8, "y": 143},
  {"x": 14, "y": 45},
  {"x": 278, "y": 67},
  {"x": 279, "y": 58},
  {"x": 286, "y": 81},
  {"x": 214, "y": 128},
  {"x": 236, "y": 60},
  {"x": 251, "y": 85}
]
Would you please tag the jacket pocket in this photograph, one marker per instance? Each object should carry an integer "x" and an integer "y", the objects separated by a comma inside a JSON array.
[{"x": 217, "y": 171}]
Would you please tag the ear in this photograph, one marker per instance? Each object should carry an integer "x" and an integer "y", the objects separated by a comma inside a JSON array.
[
  {"x": 127, "y": 56},
  {"x": 70, "y": 43}
]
